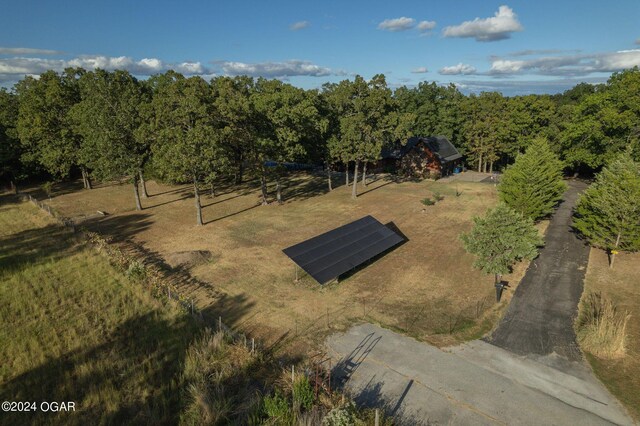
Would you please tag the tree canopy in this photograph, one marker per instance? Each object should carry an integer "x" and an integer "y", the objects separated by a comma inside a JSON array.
[
  {"x": 608, "y": 212},
  {"x": 533, "y": 185},
  {"x": 500, "y": 239}
]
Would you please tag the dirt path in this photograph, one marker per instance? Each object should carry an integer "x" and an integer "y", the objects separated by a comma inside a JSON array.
[{"x": 540, "y": 317}]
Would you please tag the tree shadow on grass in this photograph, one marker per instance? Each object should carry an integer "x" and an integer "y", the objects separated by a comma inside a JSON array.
[
  {"x": 34, "y": 246},
  {"x": 138, "y": 366},
  {"x": 118, "y": 228}
]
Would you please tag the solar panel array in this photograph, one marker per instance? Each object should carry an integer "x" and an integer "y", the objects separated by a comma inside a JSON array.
[{"x": 340, "y": 250}]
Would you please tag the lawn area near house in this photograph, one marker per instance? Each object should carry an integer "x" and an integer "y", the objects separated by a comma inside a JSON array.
[
  {"x": 426, "y": 287},
  {"x": 74, "y": 329},
  {"x": 621, "y": 285}
]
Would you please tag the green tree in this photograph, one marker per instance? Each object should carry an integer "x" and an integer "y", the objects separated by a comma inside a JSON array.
[
  {"x": 483, "y": 134},
  {"x": 287, "y": 121},
  {"x": 107, "y": 118},
  {"x": 11, "y": 168},
  {"x": 45, "y": 125},
  {"x": 604, "y": 123},
  {"x": 237, "y": 119},
  {"x": 500, "y": 239},
  {"x": 369, "y": 117},
  {"x": 608, "y": 212},
  {"x": 188, "y": 147},
  {"x": 533, "y": 185}
]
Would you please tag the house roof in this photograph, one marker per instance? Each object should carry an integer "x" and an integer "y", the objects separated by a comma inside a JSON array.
[{"x": 439, "y": 145}]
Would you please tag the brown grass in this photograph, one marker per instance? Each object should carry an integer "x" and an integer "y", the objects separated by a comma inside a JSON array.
[
  {"x": 621, "y": 286},
  {"x": 426, "y": 287}
]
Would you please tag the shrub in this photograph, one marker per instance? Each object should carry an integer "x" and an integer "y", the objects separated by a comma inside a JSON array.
[
  {"x": 438, "y": 196},
  {"x": 276, "y": 407},
  {"x": 601, "y": 329},
  {"x": 136, "y": 271},
  {"x": 47, "y": 187},
  {"x": 428, "y": 201},
  {"x": 303, "y": 393},
  {"x": 342, "y": 416}
]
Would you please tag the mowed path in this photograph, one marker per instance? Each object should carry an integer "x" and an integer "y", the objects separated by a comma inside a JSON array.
[
  {"x": 540, "y": 317},
  {"x": 529, "y": 372}
]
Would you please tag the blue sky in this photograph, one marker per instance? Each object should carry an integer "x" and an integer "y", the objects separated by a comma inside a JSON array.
[{"x": 516, "y": 47}]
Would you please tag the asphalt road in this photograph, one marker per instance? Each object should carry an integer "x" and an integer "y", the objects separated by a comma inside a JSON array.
[{"x": 540, "y": 317}]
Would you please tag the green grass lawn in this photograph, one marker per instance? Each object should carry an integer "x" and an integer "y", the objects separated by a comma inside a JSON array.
[{"x": 73, "y": 328}]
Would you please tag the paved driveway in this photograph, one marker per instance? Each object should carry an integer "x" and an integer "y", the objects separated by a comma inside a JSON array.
[
  {"x": 529, "y": 372},
  {"x": 540, "y": 317}
]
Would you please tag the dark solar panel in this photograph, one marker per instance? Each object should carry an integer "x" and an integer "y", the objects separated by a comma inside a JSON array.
[{"x": 333, "y": 253}]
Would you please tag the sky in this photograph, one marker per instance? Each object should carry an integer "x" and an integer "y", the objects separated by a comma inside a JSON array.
[{"x": 516, "y": 47}]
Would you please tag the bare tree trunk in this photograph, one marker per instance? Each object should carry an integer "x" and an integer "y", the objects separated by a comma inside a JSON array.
[
  {"x": 480, "y": 163},
  {"x": 86, "y": 178},
  {"x": 198, "y": 206},
  {"x": 612, "y": 255},
  {"x": 346, "y": 173},
  {"x": 491, "y": 167},
  {"x": 14, "y": 188},
  {"x": 144, "y": 185},
  {"x": 263, "y": 186},
  {"x": 354, "y": 189},
  {"x": 239, "y": 173},
  {"x": 136, "y": 193},
  {"x": 278, "y": 191},
  {"x": 213, "y": 190},
  {"x": 329, "y": 176},
  {"x": 364, "y": 175}
]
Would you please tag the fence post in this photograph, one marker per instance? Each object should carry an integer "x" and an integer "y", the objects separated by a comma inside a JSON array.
[
  {"x": 377, "y": 420},
  {"x": 169, "y": 291},
  {"x": 253, "y": 344},
  {"x": 219, "y": 323}
]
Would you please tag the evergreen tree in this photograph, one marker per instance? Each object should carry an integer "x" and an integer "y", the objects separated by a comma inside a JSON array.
[
  {"x": 533, "y": 185},
  {"x": 500, "y": 239},
  {"x": 608, "y": 213}
]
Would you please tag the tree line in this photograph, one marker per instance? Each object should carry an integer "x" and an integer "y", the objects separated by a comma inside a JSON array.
[{"x": 106, "y": 125}]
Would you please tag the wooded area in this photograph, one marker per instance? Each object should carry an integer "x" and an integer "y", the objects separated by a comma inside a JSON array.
[{"x": 106, "y": 125}]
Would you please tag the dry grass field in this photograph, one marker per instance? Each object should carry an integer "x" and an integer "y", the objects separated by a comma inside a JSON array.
[
  {"x": 75, "y": 329},
  {"x": 621, "y": 285},
  {"x": 426, "y": 287}
]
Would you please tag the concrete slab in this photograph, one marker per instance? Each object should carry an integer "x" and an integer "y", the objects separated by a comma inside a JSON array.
[{"x": 476, "y": 383}]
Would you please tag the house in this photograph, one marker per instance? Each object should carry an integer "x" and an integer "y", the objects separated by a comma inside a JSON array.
[{"x": 422, "y": 157}]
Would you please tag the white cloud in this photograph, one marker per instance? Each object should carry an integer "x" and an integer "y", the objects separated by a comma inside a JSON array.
[
  {"x": 276, "y": 69},
  {"x": 498, "y": 27},
  {"x": 397, "y": 24},
  {"x": 458, "y": 69},
  {"x": 425, "y": 26},
  {"x": 27, "y": 51},
  {"x": 13, "y": 69},
  {"x": 420, "y": 70},
  {"x": 296, "y": 26},
  {"x": 568, "y": 65}
]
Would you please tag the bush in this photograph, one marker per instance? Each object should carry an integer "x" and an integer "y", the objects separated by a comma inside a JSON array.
[
  {"x": 601, "y": 329},
  {"x": 136, "y": 271},
  {"x": 276, "y": 407},
  {"x": 303, "y": 393},
  {"x": 437, "y": 196},
  {"x": 342, "y": 416},
  {"x": 428, "y": 201},
  {"x": 47, "y": 187}
]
